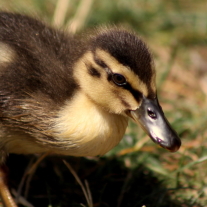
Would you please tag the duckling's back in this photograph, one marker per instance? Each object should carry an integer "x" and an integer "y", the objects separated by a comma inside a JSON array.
[
  {"x": 32, "y": 56},
  {"x": 36, "y": 77}
]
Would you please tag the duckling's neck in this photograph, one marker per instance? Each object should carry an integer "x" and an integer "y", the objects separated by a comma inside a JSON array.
[{"x": 88, "y": 127}]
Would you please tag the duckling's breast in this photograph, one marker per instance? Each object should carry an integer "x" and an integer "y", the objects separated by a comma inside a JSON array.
[{"x": 90, "y": 129}]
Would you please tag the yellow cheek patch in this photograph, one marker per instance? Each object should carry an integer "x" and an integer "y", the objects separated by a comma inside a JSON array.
[
  {"x": 97, "y": 89},
  {"x": 100, "y": 90}
]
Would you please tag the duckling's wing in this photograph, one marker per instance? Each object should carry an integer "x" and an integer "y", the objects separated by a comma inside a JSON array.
[{"x": 35, "y": 58}]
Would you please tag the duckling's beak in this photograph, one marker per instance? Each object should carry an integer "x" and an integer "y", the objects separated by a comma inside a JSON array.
[{"x": 152, "y": 119}]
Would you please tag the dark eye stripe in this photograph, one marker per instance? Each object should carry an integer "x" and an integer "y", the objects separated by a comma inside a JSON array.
[{"x": 137, "y": 94}]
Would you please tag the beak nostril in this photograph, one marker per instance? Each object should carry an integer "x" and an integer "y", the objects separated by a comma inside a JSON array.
[{"x": 151, "y": 114}]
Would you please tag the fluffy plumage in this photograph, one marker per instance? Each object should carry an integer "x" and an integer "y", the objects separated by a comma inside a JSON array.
[{"x": 69, "y": 95}]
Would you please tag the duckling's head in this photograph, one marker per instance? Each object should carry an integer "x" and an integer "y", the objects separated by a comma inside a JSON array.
[{"x": 117, "y": 73}]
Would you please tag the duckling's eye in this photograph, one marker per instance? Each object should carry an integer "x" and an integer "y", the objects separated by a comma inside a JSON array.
[
  {"x": 151, "y": 114},
  {"x": 119, "y": 79}
]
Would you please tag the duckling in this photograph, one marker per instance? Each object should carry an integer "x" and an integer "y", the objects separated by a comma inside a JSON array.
[{"x": 73, "y": 95}]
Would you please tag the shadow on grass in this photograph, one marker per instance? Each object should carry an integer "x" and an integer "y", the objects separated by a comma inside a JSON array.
[{"x": 111, "y": 183}]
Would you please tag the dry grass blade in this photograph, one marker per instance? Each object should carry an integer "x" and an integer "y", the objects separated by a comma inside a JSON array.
[
  {"x": 121, "y": 196},
  {"x": 26, "y": 178},
  {"x": 88, "y": 192},
  {"x": 60, "y": 12},
  {"x": 86, "y": 189},
  {"x": 31, "y": 172},
  {"x": 21, "y": 199},
  {"x": 4, "y": 193},
  {"x": 34, "y": 166},
  {"x": 135, "y": 148},
  {"x": 202, "y": 159},
  {"x": 80, "y": 16}
]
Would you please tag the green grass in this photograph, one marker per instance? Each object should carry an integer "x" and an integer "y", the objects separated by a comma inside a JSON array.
[{"x": 137, "y": 172}]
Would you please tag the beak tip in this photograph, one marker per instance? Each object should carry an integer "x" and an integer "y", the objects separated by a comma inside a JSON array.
[
  {"x": 175, "y": 147},
  {"x": 171, "y": 146}
]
